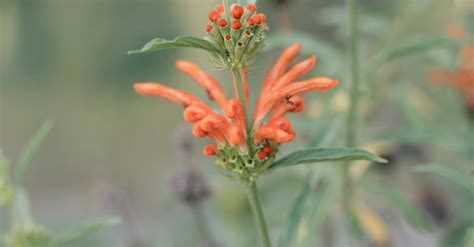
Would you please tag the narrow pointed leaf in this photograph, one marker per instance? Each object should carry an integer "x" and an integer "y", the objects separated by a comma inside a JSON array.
[
  {"x": 412, "y": 46},
  {"x": 455, "y": 177},
  {"x": 29, "y": 151},
  {"x": 181, "y": 41},
  {"x": 82, "y": 231},
  {"x": 325, "y": 154},
  {"x": 326, "y": 196},
  {"x": 399, "y": 201},
  {"x": 296, "y": 214}
]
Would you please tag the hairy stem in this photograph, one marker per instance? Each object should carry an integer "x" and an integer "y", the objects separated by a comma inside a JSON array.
[
  {"x": 352, "y": 125},
  {"x": 254, "y": 202}
]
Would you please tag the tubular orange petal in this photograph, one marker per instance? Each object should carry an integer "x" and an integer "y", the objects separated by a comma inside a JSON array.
[
  {"x": 213, "y": 122},
  {"x": 315, "y": 83},
  {"x": 197, "y": 131},
  {"x": 235, "y": 134},
  {"x": 270, "y": 133},
  {"x": 280, "y": 66},
  {"x": 234, "y": 111},
  {"x": 293, "y": 104},
  {"x": 171, "y": 94},
  {"x": 195, "y": 112},
  {"x": 294, "y": 73},
  {"x": 211, "y": 85},
  {"x": 281, "y": 123}
]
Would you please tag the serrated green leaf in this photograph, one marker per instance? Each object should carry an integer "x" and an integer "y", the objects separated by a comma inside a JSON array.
[
  {"x": 412, "y": 46},
  {"x": 29, "y": 151},
  {"x": 82, "y": 231},
  {"x": 457, "y": 178},
  {"x": 296, "y": 213},
  {"x": 325, "y": 154},
  {"x": 181, "y": 41},
  {"x": 400, "y": 202}
]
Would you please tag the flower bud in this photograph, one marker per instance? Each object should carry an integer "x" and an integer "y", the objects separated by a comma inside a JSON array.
[
  {"x": 213, "y": 16},
  {"x": 236, "y": 25},
  {"x": 251, "y": 7},
  {"x": 210, "y": 149},
  {"x": 252, "y": 21},
  {"x": 259, "y": 18},
  {"x": 219, "y": 8},
  {"x": 222, "y": 23},
  {"x": 237, "y": 11},
  {"x": 209, "y": 28},
  {"x": 261, "y": 155},
  {"x": 267, "y": 149}
]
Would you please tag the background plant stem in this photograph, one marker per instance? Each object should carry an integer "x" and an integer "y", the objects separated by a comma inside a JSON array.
[
  {"x": 254, "y": 202},
  {"x": 352, "y": 126},
  {"x": 202, "y": 224}
]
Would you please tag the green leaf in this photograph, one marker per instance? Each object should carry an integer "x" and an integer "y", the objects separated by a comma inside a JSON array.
[
  {"x": 21, "y": 209},
  {"x": 398, "y": 200},
  {"x": 296, "y": 214},
  {"x": 412, "y": 46},
  {"x": 326, "y": 196},
  {"x": 181, "y": 41},
  {"x": 325, "y": 154},
  {"x": 29, "y": 151},
  {"x": 82, "y": 231},
  {"x": 455, "y": 177}
]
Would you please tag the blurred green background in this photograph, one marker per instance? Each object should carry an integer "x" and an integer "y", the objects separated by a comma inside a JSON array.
[{"x": 113, "y": 152}]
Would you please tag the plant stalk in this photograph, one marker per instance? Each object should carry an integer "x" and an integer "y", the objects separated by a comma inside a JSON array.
[
  {"x": 352, "y": 126},
  {"x": 237, "y": 78},
  {"x": 254, "y": 202},
  {"x": 202, "y": 224}
]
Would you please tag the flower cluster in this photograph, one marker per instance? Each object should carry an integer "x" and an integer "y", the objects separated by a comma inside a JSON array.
[
  {"x": 239, "y": 33},
  {"x": 245, "y": 150}
]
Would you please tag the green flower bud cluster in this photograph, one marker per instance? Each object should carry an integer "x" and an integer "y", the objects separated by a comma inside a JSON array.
[{"x": 240, "y": 164}]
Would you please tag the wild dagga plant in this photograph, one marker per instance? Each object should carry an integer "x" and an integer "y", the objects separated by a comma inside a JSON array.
[
  {"x": 23, "y": 230},
  {"x": 246, "y": 146}
]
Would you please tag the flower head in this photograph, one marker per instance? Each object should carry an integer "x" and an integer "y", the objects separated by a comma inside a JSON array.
[{"x": 245, "y": 152}]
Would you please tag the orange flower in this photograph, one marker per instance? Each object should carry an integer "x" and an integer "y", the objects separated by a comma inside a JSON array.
[
  {"x": 461, "y": 78},
  {"x": 280, "y": 94}
]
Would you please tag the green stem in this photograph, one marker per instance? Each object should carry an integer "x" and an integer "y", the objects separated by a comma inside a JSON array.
[
  {"x": 352, "y": 127},
  {"x": 254, "y": 202},
  {"x": 470, "y": 137},
  {"x": 237, "y": 78}
]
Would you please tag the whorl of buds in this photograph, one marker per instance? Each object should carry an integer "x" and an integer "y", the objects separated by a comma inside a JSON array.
[{"x": 240, "y": 34}]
